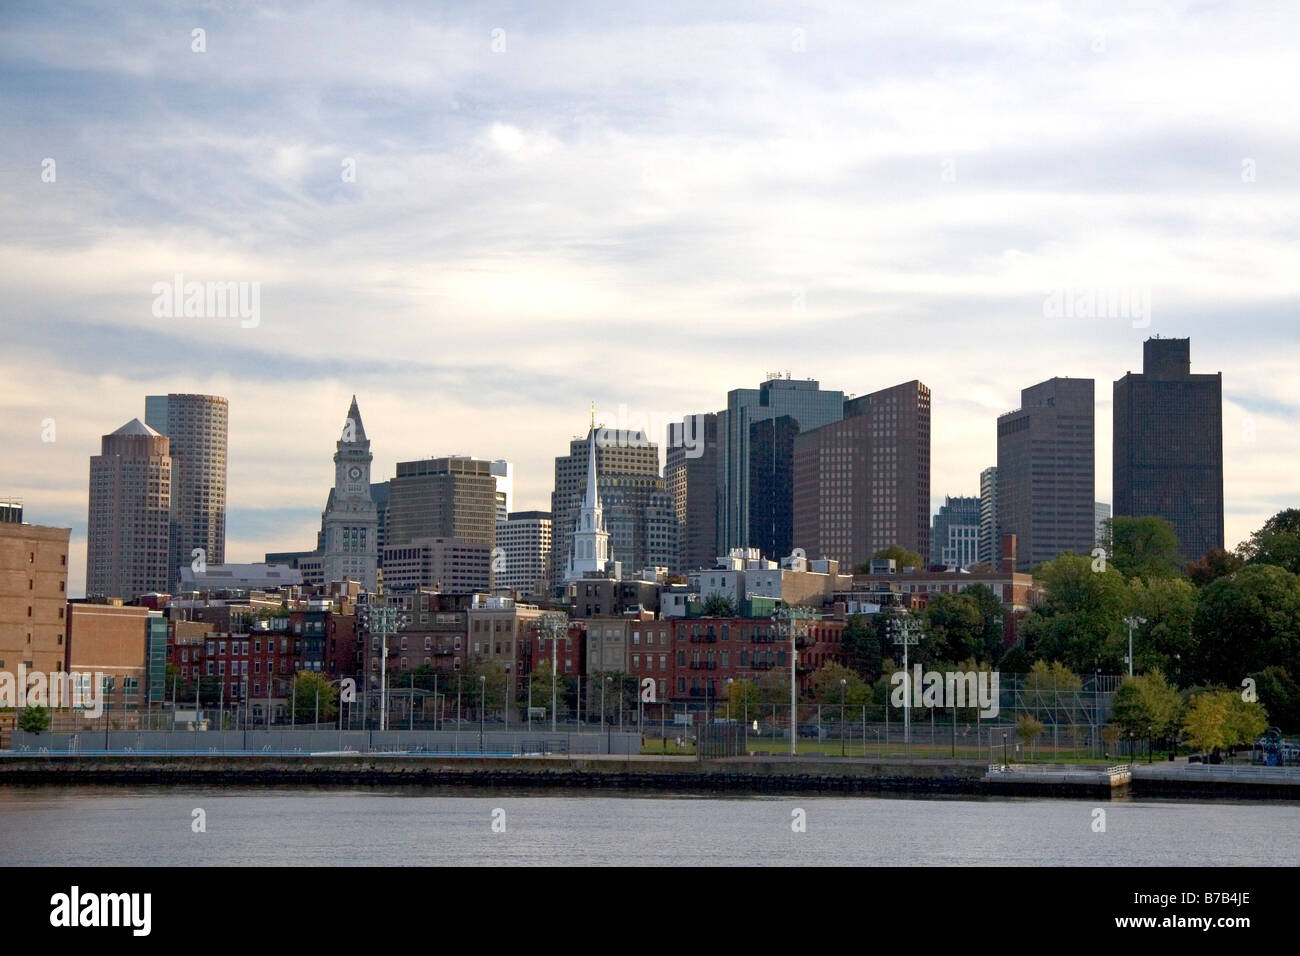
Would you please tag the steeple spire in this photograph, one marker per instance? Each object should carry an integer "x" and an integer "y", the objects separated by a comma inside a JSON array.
[
  {"x": 358, "y": 430},
  {"x": 592, "y": 498}
]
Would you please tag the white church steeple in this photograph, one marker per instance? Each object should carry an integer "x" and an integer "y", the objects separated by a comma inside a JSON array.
[{"x": 590, "y": 550}]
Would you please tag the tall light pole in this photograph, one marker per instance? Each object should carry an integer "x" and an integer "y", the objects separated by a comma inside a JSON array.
[
  {"x": 482, "y": 708},
  {"x": 843, "y": 686},
  {"x": 794, "y": 619},
  {"x": 1132, "y": 622},
  {"x": 908, "y": 633},
  {"x": 383, "y": 620},
  {"x": 554, "y": 623}
]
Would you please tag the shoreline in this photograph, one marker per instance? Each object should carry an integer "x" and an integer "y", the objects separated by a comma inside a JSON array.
[{"x": 646, "y": 773}]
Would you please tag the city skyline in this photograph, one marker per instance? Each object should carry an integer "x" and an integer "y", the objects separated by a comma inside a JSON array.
[{"x": 480, "y": 234}]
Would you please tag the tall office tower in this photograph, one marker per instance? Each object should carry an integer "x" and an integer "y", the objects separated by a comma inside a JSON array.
[
  {"x": 808, "y": 407},
  {"x": 990, "y": 547},
  {"x": 128, "y": 530},
  {"x": 954, "y": 540},
  {"x": 524, "y": 549},
  {"x": 453, "y": 497},
  {"x": 863, "y": 483},
  {"x": 771, "y": 485},
  {"x": 1168, "y": 446},
  {"x": 350, "y": 524},
  {"x": 660, "y": 531},
  {"x": 196, "y": 426},
  {"x": 1101, "y": 514},
  {"x": 33, "y": 595},
  {"x": 627, "y": 469},
  {"x": 379, "y": 495},
  {"x": 691, "y": 474},
  {"x": 504, "y": 472},
  {"x": 1045, "y": 471}
]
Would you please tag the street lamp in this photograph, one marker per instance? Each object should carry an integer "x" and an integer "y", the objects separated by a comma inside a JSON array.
[
  {"x": 602, "y": 703},
  {"x": 383, "y": 620},
  {"x": 482, "y": 709},
  {"x": 1132, "y": 622},
  {"x": 909, "y": 633},
  {"x": 1004, "y": 748}
]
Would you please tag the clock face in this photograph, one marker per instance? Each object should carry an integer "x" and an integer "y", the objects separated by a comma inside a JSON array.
[{"x": 354, "y": 473}]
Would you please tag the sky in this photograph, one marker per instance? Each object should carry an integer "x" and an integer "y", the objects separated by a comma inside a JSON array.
[{"x": 482, "y": 218}]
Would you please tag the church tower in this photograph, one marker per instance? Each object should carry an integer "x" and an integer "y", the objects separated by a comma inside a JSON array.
[
  {"x": 350, "y": 523},
  {"x": 590, "y": 539}
]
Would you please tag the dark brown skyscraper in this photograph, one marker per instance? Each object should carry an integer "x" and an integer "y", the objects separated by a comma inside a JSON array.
[
  {"x": 1169, "y": 445},
  {"x": 691, "y": 475},
  {"x": 863, "y": 483},
  {"x": 1045, "y": 476}
]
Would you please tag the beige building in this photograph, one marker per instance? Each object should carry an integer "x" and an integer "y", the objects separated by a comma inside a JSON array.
[
  {"x": 129, "y": 521},
  {"x": 111, "y": 640},
  {"x": 498, "y": 629},
  {"x": 33, "y": 596}
]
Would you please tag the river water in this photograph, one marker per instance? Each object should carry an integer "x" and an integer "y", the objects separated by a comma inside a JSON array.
[{"x": 281, "y": 826}]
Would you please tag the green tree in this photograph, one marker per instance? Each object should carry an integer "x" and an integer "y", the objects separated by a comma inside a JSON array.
[
  {"x": 719, "y": 605},
  {"x": 826, "y": 685},
  {"x": 861, "y": 646},
  {"x": 1080, "y": 621},
  {"x": 902, "y": 557},
  {"x": 540, "y": 680},
  {"x": 954, "y": 627},
  {"x": 743, "y": 698},
  {"x": 1028, "y": 729},
  {"x": 1280, "y": 694},
  {"x": 34, "y": 719},
  {"x": 1165, "y": 641},
  {"x": 1047, "y": 685},
  {"x": 1016, "y": 660},
  {"x": 1216, "y": 563},
  {"x": 1147, "y": 705},
  {"x": 774, "y": 688},
  {"x": 1144, "y": 547},
  {"x": 1277, "y": 543},
  {"x": 1244, "y": 721},
  {"x": 1205, "y": 723},
  {"x": 303, "y": 693},
  {"x": 1245, "y": 623},
  {"x": 487, "y": 695}
]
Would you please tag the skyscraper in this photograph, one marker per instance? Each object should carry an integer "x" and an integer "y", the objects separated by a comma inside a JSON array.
[
  {"x": 807, "y": 407},
  {"x": 452, "y": 497},
  {"x": 990, "y": 545},
  {"x": 691, "y": 474},
  {"x": 954, "y": 540},
  {"x": 129, "y": 522},
  {"x": 196, "y": 427},
  {"x": 631, "y": 492},
  {"x": 863, "y": 483},
  {"x": 1046, "y": 460},
  {"x": 350, "y": 524},
  {"x": 1168, "y": 446},
  {"x": 524, "y": 546}
]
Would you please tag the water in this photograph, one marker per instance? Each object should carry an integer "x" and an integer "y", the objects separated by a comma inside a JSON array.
[{"x": 146, "y": 826}]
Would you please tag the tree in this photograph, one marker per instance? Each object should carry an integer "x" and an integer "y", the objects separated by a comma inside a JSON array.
[
  {"x": 826, "y": 685},
  {"x": 1028, "y": 729},
  {"x": 719, "y": 605},
  {"x": 774, "y": 688},
  {"x": 902, "y": 557},
  {"x": 1080, "y": 621},
  {"x": 1216, "y": 563},
  {"x": 1016, "y": 660},
  {"x": 1244, "y": 721},
  {"x": 862, "y": 647},
  {"x": 1280, "y": 695},
  {"x": 1245, "y": 623},
  {"x": 1277, "y": 543},
  {"x": 304, "y": 691},
  {"x": 1205, "y": 720},
  {"x": 34, "y": 719},
  {"x": 1165, "y": 641},
  {"x": 954, "y": 627},
  {"x": 1145, "y": 547},
  {"x": 743, "y": 698},
  {"x": 1047, "y": 683},
  {"x": 541, "y": 684},
  {"x": 1147, "y": 705}
]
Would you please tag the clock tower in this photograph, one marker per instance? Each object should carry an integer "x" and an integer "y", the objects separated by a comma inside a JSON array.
[{"x": 350, "y": 523}]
